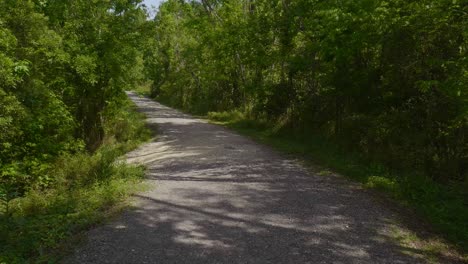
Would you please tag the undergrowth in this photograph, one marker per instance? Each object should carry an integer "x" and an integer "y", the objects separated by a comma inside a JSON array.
[{"x": 86, "y": 189}]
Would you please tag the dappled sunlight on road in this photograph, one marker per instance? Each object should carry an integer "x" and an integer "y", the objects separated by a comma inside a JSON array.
[{"x": 221, "y": 198}]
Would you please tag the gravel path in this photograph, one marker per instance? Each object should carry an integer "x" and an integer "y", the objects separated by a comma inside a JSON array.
[{"x": 219, "y": 197}]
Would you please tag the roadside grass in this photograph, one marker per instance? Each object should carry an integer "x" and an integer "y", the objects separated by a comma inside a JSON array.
[
  {"x": 88, "y": 189},
  {"x": 444, "y": 209}
]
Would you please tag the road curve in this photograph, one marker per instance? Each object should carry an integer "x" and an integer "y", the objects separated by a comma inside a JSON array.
[{"x": 218, "y": 197}]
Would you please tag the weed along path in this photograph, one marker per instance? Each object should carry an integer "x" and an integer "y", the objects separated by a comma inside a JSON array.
[{"x": 218, "y": 197}]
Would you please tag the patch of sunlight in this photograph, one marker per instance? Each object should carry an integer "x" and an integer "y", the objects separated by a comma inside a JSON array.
[{"x": 173, "y": 120}]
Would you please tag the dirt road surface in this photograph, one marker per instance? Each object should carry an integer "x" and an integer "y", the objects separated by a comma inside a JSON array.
[{"x": 218, "y": 197}]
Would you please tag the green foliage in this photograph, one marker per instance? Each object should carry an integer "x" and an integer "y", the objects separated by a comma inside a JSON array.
[
  {"x": 233, "y": 116},
  {"x": 82, "y": 187},
  {"x": 124, "y": 126}
]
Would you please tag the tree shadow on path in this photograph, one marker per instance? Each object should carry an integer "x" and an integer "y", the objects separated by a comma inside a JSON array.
[{"x": 221, "y": 198}]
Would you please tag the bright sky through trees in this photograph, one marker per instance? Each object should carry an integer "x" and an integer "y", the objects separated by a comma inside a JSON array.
[{"x": 151, "y": 3}]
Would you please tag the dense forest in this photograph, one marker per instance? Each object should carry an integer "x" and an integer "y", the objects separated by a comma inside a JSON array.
[
  {"x": 387, "y": 79},
  {"x": 384, "y": 80}
]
